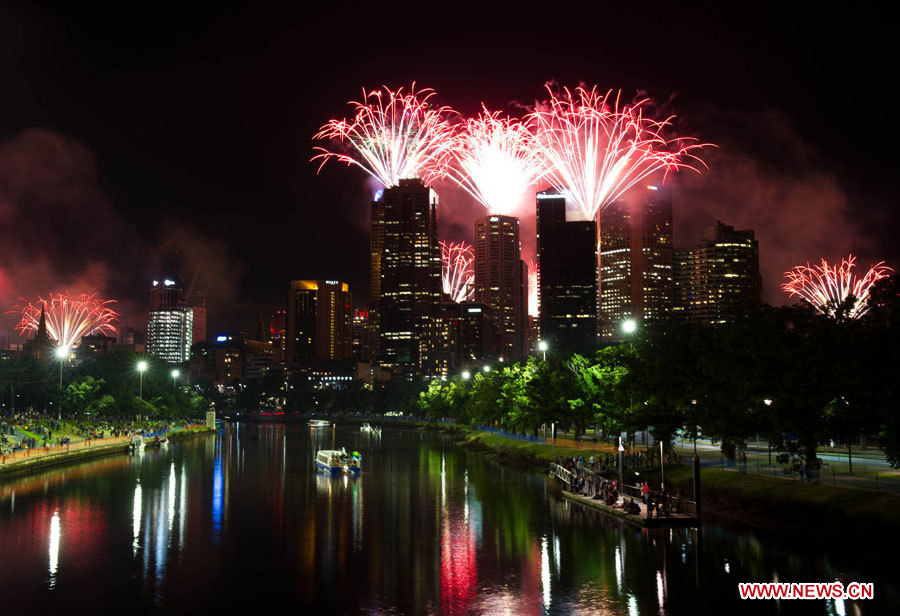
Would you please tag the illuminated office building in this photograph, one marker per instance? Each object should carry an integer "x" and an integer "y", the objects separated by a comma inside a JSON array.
[
  {"x": 501, "y": 279},
  {"x": 170, "y": 322},
  {"x": 319, "y": 321},
  {"x": 636, "y": 253}
]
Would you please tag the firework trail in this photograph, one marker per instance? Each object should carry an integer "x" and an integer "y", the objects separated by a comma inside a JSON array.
[
  {"x": 533, "y": 302},
  {"x": 68, "y": 318},
  {"x": 457, "y": 273},
  {"x": 827, "y": 287},
  {"x": 495, "y": 160},
  {"x": 596, "y": 149},
  {"x": 393, "y": 136}
]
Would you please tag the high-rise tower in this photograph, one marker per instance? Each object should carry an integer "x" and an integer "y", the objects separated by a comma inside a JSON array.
[
  {"x": 410, "y": 279},
  {"x": 319, "y": 321},
  {"x": 501, "y": 279},
  {"x": 567, "y": 274},
  {"x": 636, "y": 259},
  {"x": 718, "y": 277},
  {"x": 170, "y": 322}
]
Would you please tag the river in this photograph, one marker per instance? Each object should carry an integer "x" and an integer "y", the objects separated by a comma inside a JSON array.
[{"x": 241, "y": 520}]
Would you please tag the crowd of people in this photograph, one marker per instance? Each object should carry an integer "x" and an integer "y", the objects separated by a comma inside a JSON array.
[{"x": 586, "y": 479}]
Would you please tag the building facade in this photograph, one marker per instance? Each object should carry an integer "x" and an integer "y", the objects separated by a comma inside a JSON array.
[
  {"x": 468, "y": 337},
  {"x": 718, "y": 278},
  {"x": 318, "y": 321},
  {"x": 410, "y": 280},
  {"x": 567, "y": 274},
  {"x": 636, "y": 259},
  {"x": 170, "y": 322},
  {"x": 501, "y": 281}
]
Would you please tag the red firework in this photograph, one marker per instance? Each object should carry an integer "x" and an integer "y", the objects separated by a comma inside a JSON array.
[
  {"x": 457, "y": 271},
  {"x": 393, "y": 136},
  {"x": 595, "y": 148},
  {"x": 68, "y": 318},
  {"x": 828, "y": 287}
]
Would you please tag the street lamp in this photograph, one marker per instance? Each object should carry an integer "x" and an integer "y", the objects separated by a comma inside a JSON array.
[
  {"x": 542, "y": 347},
  {"x": 175, "y": 375},
  {"x": 629, "y": 326},
  {"x": 141, "y": 366},
  {"x": 62, "y": 353},
  {"x": 487, "y": 368},
  {"x": 466, "y": 375}
]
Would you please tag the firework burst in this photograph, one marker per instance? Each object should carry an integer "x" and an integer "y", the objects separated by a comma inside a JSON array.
[
  {"x": 828, "y": 287},
  {"x": 495, "y": 160},
  {"x": 596, "y": 149},
  {"x": 457, "y": 273},
  {"x": 68, "y": 318},
  {"x": 393, "y": 136}
]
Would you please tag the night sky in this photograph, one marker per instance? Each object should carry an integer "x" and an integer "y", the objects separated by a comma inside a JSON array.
[{"x": 129, "y": 132}]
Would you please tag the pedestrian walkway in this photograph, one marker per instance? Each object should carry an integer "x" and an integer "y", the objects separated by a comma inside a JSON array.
[
  {"x": 21, "y": 455},
  {"x": 642, "y": 519}
]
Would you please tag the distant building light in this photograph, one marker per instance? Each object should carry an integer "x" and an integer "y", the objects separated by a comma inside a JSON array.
[
  {"x": 652, "y": 188},
  {"x": 473, "y": 309},
  {"x": 168, "y": 282},
  {"x": 331, "y": 282},
  {"x": 156, "y": 283},
  {"x": 221, "y": 338},
  {"x": 494, "y": 219}
]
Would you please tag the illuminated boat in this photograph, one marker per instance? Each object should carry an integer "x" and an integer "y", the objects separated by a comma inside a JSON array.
[
  {"x": 319, "y": 423},
  {"x": 337, "y": 462}
]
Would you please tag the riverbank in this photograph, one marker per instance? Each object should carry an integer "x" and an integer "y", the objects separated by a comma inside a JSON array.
[
  {"x": 788, "y": 509},
  {"x": 73, "y": 456}
]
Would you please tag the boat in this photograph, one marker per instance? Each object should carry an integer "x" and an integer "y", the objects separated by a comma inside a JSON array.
[
  {"x": 137, "y": 444},
  {"x": 319, "y": 423},
  {"x": 338, "y": 461},
  {"x": 366, "y": 428}
]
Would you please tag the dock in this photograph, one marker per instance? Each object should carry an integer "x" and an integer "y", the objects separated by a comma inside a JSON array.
[{"x": 676, "y": 519}]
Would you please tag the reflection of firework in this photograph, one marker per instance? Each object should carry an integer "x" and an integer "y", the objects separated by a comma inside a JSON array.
[
  {"x": 393, "y": 136},
  {"x": 827, "y": 287},
  {"x": 495, "y": 160},
  {"x": 68, "y": 318},
  {"x": 457, "y": 272},
  {"x": 533, "y": 303},
  {"x": 595, "y": 150}
]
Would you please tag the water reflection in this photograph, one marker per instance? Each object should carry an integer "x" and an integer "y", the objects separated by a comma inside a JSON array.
[
  {"x": 427, "y": 528},
  {"x": 54, "y": 547}
]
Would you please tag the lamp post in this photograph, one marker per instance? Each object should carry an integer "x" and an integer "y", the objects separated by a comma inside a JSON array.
[
  {"x": 141, "y": 367},
  {"x": 542, "y": 347},
  {"x": 662, "y": 471},
  {"x": 466, "y": 375},
  {"x": 62, "y": 353},
  {"x": 629, "y": 326},
  {"x": 621, "y": 464},
  {"x": 487, "y": 368},
  {"x": 175, "y": 375}
]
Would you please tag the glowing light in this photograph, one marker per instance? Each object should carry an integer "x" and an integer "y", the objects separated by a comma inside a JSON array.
[
  {"x": 466, "y": 374},
  {"x": 595, "y": 148},
  {"x": 629, "y": 326},
  {"x": 534, "y": 304},
  {"x": 54, "y": 547},
  {"x": 68, "y": 318},
  {"x": 62, "y": 352},
  {"x": 457, "y": 271},
  {"x": 141, "y": 366},
  {"x": 829, "y": 287},
  {"x": 495, "y": 160},
  {"x": 393, "y": 136}
]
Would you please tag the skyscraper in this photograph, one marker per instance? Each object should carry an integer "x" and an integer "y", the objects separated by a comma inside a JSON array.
[
  {"x": 567, "y": 274},
  {"x": 501, "y": 279},
  {"x": 636, "y": 255},
  {"x": 170, "y": 323},
  {"x": 410, "y": 282},
  {"x": 718, "y": 277},
  {"x": 319, "y": 321}
]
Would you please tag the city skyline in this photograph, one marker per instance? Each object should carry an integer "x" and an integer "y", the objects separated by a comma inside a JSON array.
[{"x": 778, "y": 170}]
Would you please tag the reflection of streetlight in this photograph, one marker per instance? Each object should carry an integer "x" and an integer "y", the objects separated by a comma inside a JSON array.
[
  {"x": 466, "y": 375},
  {"x": 62, "y": 353},
  {"x": 141, "y": 366},
  {"x": 542, "y": 346},
  {"x": 629, "y": 326}
]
